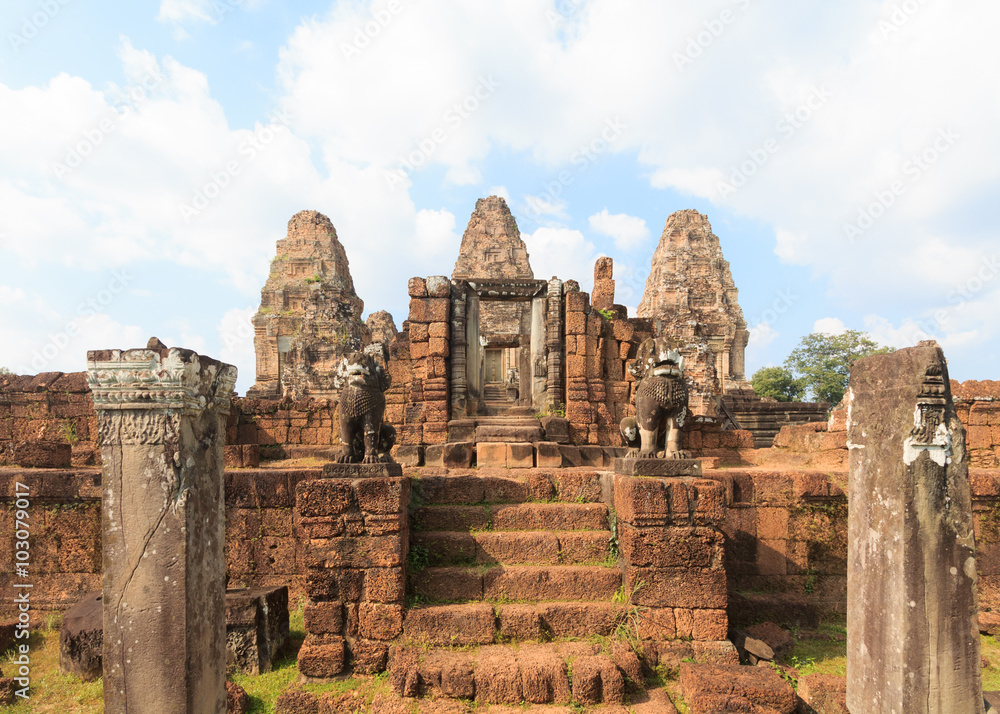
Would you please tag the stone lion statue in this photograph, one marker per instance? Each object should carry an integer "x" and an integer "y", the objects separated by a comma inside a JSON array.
[
  {"x": 363, "y": 381},
  {"x": 661, "y": 399}
]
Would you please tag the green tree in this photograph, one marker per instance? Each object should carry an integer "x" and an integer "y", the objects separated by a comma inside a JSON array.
[
  {"x": 823, "y": 362},
  {"x": 777, "y": 382},
  {"x": 4, "y": 370}
]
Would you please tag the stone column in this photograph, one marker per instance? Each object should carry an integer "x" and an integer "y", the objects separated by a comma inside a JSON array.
[
  {"x": 912, "y": 634},
  {"x": 538, "y": 369},
  {"x": 161, "y": 421},
  {"x": 473, "y": 349},
  {"x": 554, "y": 341},
  {"x": 459, "y": 351}
]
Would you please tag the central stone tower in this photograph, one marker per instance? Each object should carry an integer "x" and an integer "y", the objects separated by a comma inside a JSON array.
[{"x": 309, "y": 316}]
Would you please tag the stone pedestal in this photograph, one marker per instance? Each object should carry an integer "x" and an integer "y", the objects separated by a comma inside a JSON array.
[
  {"x": 657, "y": 467},
  {"x": 355, "y": 538},
  {"x": 912, "y": 635},
  {"x": 161, "y": 421}
]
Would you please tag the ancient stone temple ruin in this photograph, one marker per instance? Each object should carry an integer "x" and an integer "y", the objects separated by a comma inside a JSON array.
[
  {"x": 691, "y": 293},
  {"x": 309, "y": 315},
  {"x": 517, "y": 544}
]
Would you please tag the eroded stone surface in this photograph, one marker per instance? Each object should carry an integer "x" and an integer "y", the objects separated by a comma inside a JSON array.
[
  {"x": 309, "y": 316},
  {"x": 912, "y": 635},
  {"x": 492, "y": 246},
  {"x": 690, "y": 290},
  {"x": 161, "y": 416}
]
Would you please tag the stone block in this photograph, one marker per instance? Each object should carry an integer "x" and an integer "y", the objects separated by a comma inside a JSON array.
[
  {"x": 556, "y": 429},
  {"x": 324, "y": 618},
  {"x": 491, "y": 454},
  {"x": 410, "y": 455},
  {"x": 548, "y": 455},
  {"x": 348, "y": 552},
  {"x": 577, "y": 302},
  {"x": 322, "y": 656},
  {"x": 81, "y": 638},
  {"x": 678, "y": 587},
  {"x": 519, "y": 622},
  {"x": 427, "y": 310},
  {"x": 577, "y": 619},
  {"x": 438, "y": 286},
  {"x": 381, "y": 622},
  {"x": 576, "y": 323},
  {"x": 824, "y": 693},
  {"x": 434, "y": 455},
  {"x": 384, "y": 585},
  {"x": 256, "y": 627},
  {"x": 597, "y": 679},
  {"x": 584, "y": 583},
  {"x": 457, "y": 455},
  {"x": 322, "y": 497},
  {"x": 592, "y": 456},
  {"x": 498, "y": 677},
  {"x": 454, "y": 625},
  {"x": 417, "y": 288},
  {"x": 718, "y": 688},
  {"x": 448, "y": 584},
  {"x": 42, "y": 455},
  {"x": 671, "y": 547},
  {"x": 384, "y": 496},
  {"x": 709, "y": 625},
  {"x": 520, "y": 456},
  {"x": 570, "y": 455}
]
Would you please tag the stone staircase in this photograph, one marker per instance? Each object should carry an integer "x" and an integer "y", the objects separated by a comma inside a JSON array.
[
  {"x": 514, "y": 425},
  {"x": 503, "y": 586},
  {"x": 521, "y": 569}
]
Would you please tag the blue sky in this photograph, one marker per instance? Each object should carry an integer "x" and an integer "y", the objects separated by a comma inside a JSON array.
[{"x": 152, "y": 153}]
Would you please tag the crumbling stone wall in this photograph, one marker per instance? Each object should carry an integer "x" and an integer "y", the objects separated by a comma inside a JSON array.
[
  {"x": 978, "y": 406},
  {"x": 785, "y": 531},
  {"x": 49, "y": 409}
]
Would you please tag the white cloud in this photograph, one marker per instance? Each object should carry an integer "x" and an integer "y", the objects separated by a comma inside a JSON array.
[
  {"x": 186, "y": 11},
  {"x": 628, "y": 232},
  {"x": 563, "y": 253},
  {"x": 436, "y": 232},
  {"x": 500, "y": 191},
  {"x": 236, "y": 333},
  {"x": 829, "y": 326}
]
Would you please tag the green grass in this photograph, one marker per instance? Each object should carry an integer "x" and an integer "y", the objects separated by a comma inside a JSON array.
[{"x": 50, "y": 690}]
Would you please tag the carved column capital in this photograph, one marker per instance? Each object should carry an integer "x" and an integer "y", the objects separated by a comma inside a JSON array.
[{"x": 174, "y": 379}]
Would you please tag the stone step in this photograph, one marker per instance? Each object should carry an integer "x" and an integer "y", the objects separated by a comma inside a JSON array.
[
  {"x": 520, "y": 583},
  {"x": 514, "y": 433},
  {"x": 531, "y": 673},
  {"x": 456, "y": 548},
  {"x": 512, "y": 517},
  {"x": 480, "y": 623},
  {"x": 499, "y": 486},
  {"x": 568, "y": 673}
]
